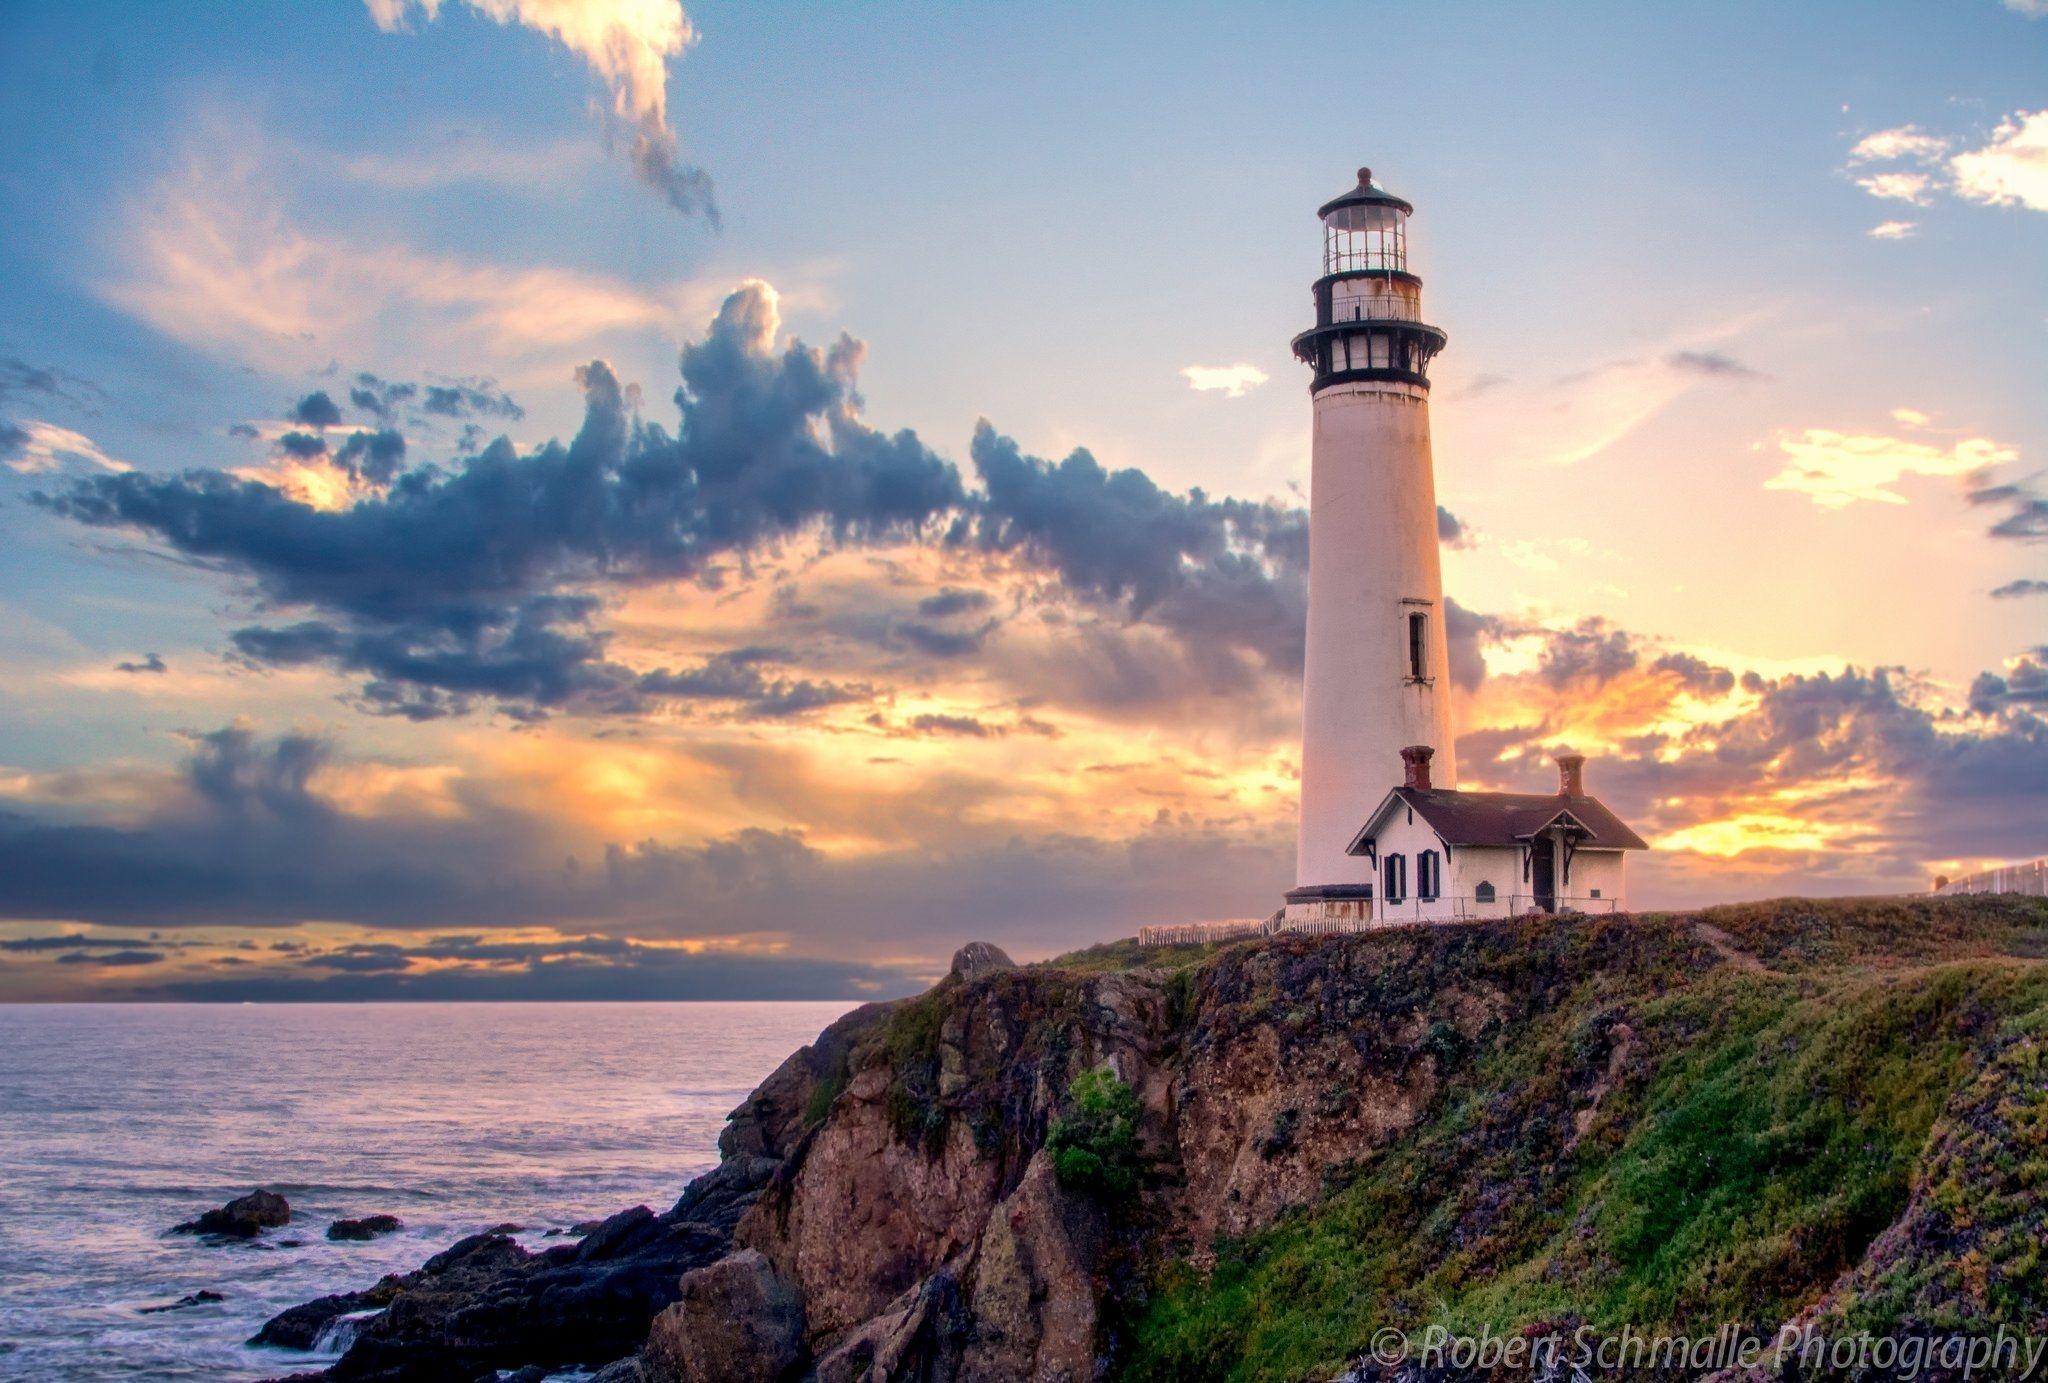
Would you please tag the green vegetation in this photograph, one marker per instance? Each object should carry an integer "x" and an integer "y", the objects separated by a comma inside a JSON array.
[
  {"x": 1095, "y": 1145},
  {"x": 1648, "y": 1134}
]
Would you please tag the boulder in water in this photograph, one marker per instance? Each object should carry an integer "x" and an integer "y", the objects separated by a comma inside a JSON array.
[
  {"x": 203, "y": 1297},
  {"x": 242, "y": 1218},
  {"x": 368, "y": 1227}
]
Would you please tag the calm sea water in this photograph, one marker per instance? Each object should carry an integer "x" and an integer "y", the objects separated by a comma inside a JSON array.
[{"x": 118, "y": 1121}]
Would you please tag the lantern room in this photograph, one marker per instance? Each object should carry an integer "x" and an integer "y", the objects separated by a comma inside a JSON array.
[{"x": 1369, "y": 325}]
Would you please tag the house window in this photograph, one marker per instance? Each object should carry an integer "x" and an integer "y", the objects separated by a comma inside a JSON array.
[
  {"x": 1428, "y": 875},
  {"x": 1418, "y": 646},
  {"x": 1484, "y": 893},
  {"x": 1394, "y": 873}
]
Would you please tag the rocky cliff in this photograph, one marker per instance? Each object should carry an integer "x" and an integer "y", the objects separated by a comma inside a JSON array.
[{"x": 1243, "y": 1161}]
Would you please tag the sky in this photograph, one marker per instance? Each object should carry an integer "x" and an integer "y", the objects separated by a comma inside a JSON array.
[{"x": 517, "y": 498}]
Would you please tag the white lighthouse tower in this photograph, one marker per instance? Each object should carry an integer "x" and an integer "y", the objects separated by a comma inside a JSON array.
[{"x": 1376, "y": 680}]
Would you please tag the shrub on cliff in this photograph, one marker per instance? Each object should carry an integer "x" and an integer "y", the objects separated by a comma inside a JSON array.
[{"x": 1094, "y": 1146}]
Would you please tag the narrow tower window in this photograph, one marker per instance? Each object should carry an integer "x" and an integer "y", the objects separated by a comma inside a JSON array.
[{"x": 1418, "y": 646}]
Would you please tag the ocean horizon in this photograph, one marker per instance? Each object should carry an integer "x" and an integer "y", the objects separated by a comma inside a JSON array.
[{"x": 119, "y": 1121}]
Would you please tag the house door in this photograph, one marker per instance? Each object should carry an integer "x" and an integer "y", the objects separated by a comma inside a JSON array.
[{"x": 1543, "y": 873}]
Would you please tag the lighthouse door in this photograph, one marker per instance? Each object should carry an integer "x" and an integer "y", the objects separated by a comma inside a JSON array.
[{"x": 1543, "y": 872}]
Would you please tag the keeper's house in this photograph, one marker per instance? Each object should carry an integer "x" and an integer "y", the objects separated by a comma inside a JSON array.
[{"x": 1438, "y": 855}]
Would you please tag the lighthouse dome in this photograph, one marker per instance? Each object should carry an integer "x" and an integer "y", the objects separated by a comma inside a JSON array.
[{"x": 1366, "y": 193}]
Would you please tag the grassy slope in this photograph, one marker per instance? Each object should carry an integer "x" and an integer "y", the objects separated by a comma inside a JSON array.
[{"x": 1754, "y": 1126}]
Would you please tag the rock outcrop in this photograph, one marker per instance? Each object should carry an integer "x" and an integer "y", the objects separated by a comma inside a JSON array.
[
  {"x": 1359, "y": 1125},
  {"x": 245, "y": 1217},
  {"x": 735, "y": 1319},
  {"x": 978, "y": 958},
  {"x": 368, "y": 1227}
]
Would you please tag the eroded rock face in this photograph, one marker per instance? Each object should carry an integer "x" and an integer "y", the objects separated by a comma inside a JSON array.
[
  {"x": 1035, "y": 1283},
  {"x": 736, "y": 1322}
]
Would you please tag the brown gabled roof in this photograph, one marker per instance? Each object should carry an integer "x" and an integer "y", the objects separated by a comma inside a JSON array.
[{"x": 1512, "y": 818}]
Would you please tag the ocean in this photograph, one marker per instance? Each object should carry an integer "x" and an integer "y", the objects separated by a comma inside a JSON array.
[{"x": 119, "y": 1121}]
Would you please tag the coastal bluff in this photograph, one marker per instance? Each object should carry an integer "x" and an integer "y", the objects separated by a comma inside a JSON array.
[{"x": 1241, "y": 1160}]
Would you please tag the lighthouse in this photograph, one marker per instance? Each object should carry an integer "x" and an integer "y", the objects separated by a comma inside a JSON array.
[{"x": 1376, "y": 679}]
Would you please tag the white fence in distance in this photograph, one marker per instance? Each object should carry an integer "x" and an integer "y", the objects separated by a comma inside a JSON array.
[{"x": 2030, "y": 878}]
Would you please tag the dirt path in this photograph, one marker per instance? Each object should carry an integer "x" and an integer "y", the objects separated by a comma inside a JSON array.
[{"x": 1725, "y": 947}]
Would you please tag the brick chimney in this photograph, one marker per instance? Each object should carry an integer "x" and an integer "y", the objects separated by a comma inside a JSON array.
[
  {"x": 1416, "y": 758},
  {"x": 1571, "y": 775}
]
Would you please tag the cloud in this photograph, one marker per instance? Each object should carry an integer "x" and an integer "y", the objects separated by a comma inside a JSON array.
[
  {"x": 1837, "y": 469},
  {"x": 2012, "y": 590},
  {"x": 1711, "y": 364},
  {"x": 626, "y": 42},
  {"x": 1452, "y": 531},
  {"x": 2032, "y": 9},
  {"x": 250, "y": 830},
  {"x": 1893, "y": 230},
  {"x": 2026, "y": 518},
  {"x": 460, "y": 582},
  {"x": 2024, "y": 683},
  {"x": 1229, "y": 577},
  {"x": 2012, "y": 168},
  {"x": 315, "y": 410},
  {"x": 33, "y": 447},
  {"x": 1232, "y": 381},
  {"x": 213, "y": 257},
  {"x": 1893, "y": 145},
  {"x": 122, "y": 959},
  {"x": 1916, "y": 188},
  {"x": 18, "y": 377},
  {"x": 150, "y": 664}
]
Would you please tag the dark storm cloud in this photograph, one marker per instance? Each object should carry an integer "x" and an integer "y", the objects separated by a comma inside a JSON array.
[
  {"x": 316, "y": 409},
  {"x": 380, "y": 398},
  {"x": 935, "y": 641},
  {"x": 953, "y": 601},
  {"x": 1593, "y": 651},
  {"x": 449, "y": 581},
  {"x": 463, "y": 400},
  {"x": 1465, "y": 635},
  {"x": 18, "y": 377},
  {"x": 13, "y": 441},
  {"x": 1228, "y": 576},
  {"x": 466, "y": 399},
  {"x": 1696, "y": 675},
  {"x": 1711, "y": 364},
  {"x": 373, "y": 456},
  {"x": 2024, "y": 586},
  {"x": 2026, "y": 516},
  {"x": 247, "y": 840},
  {"x": 683, "y": 187},
  {"x": 149, "y": 664},
  {"x": 29, "y": 945},
  {"x": 118, "y": 959},
  {"x": 1451, "y": 530},
  {"x": 935, "y": 724},
  {"x": 1917, "y": 782},
  {"x": 651, "y": 973},
  {"x": 2025, "y": 683},
  {"x": 469, "y": 587},
  {"x": 361, "y": 960}
]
